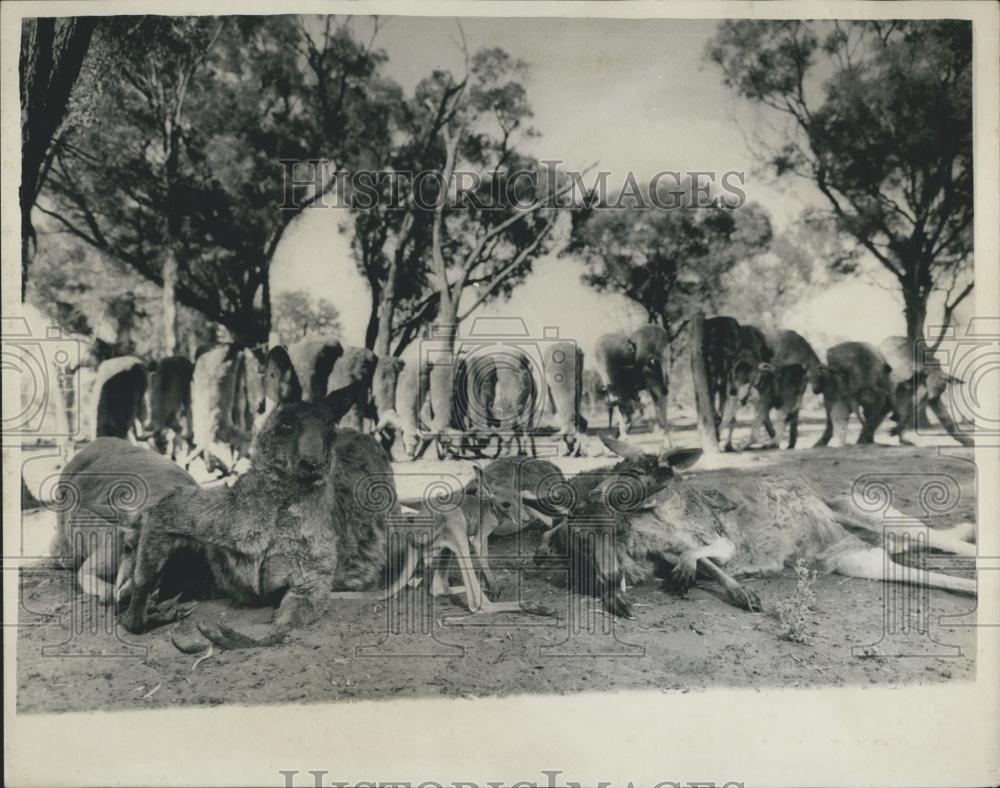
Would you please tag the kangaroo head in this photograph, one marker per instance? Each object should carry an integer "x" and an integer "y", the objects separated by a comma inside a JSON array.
[
  {"x": 501, "y": 503},
  {"x": 936, "y": 380},
  {"x": 296, "y": 439},
  {"x": 640, "y": 474},
  {"x": 825, "y": 379},
  {"x": 129, "y": 527}
]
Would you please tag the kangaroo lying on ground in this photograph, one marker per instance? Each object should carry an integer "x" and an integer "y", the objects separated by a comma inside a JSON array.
[
  {"x": 294, "y": 527},
  {"x": 96, "y": 486},
  {"x": 762, "y": 523}
]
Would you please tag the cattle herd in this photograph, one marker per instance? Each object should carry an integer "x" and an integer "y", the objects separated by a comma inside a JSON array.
[{"x": 314, "y": 513}]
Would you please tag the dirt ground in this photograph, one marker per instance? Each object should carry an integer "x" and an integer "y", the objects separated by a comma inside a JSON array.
[{"x": 71, "y": 658}]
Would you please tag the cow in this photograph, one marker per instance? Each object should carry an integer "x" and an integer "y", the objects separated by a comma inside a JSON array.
[
  {"x": 918, "y": 383},
  {"x": 118, "y": 399},
  {"x": 169, "y": 405},
  {"x": 614, "y": 357},
  {"x": 743, "y": 372},
  {"x": 349, "y": 386},
  {"x": 794, "y": 366},
  {"x": 856, "y": 380},
  {"x": 227, "y": 400}
]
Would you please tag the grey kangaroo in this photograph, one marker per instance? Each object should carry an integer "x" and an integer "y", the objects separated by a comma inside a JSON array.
[{"x": 294, "y": 527}]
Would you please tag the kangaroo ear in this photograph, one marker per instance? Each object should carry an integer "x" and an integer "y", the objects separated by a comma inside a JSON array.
[
  {"x": 953, "y": 380},
  {"x": 484, "y": 486},
  {"x": 680, "y": 458},
  {"x": 622, "y": 449},
  {"x": 281, "y": 384}
]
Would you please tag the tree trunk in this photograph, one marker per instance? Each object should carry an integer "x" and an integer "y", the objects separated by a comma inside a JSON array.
[
  {"x": 703, "y": 403},
  {"x": 915, "y": 312},
  {"x": 442, "y": 377},
  {"x": 265, "y": 299},
  {"x": 52, "y": 53},
  {"x": 384, "y": 384},
  {"x": 170, "y": 303}
]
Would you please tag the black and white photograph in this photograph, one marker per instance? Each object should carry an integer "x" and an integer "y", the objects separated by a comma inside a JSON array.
[{"x": 464, "y": 375}]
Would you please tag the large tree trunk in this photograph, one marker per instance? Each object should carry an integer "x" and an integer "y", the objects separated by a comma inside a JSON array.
[
  {"x": 52, "y": 53},
  {"x": 442, "y": 377},
  {"x": 170, "y": 304},
  {"x": 699, "y": 372},
  {"x": 384, "y": 384},
  {"x": 915, "y": 312}
]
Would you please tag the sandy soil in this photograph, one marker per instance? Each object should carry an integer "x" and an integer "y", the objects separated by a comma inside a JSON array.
[{"x": 71, "y": 658}]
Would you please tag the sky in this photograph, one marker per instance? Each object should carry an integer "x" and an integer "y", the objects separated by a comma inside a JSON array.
[{"x": 633, "y": 95}]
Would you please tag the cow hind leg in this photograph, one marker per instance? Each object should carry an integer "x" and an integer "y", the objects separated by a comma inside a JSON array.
[{"x": 875, "y": 564}]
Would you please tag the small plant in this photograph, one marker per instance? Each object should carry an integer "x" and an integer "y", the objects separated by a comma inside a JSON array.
[{"x": 794, "y": 612}]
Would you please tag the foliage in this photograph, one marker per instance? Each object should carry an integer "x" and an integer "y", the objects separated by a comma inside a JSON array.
[
  {"x": 296, "y": 313},
  {"x": 421, "y": 256},
  {"x": 670, "y": 261},
  {"x": 761, "y": 289},
  {"x": 184, "y": 156},
  {"x": 89, "y": 294},
  {"x": 886, "y": 137},
  {"x": 795, "y": 613}
]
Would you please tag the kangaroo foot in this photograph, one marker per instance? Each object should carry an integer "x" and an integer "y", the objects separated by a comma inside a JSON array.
[
  {"x": 188, "y": 642},
  {"x": 156, "y": 614},
  {"x": 228, "y": 638}
]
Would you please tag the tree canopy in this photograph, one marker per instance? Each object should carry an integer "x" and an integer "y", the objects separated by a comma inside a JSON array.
[
  {"x": 297, "y": 313},
  {"x": 183, "y": 161},
  {"x": 879, "y": 118},
  {"x": 669, "y": 261}
]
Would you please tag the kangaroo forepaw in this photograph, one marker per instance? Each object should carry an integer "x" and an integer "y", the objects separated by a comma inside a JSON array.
[
  {"x": 684, "y": 573},
  {"x": 228, "y": 638},
  {"x": 620, "y": 605},
  {"x": 156, "y": 614},
  {"x": 536, "y": 609},
  {"x": 745, "y": 599}
]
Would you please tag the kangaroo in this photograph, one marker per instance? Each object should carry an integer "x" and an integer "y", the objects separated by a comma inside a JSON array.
[
  {"x": 460, "y": 525},
  {"x": 293, "y": 527},
  {"x": 760, "y": 524},
  {"x": 107, "y": 472},
  {"x": 855, "y": 380},
  {"x": 780, "y": 387}
]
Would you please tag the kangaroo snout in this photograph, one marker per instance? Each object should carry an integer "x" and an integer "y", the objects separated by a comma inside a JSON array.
[{"x": 310, "y": 470}]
